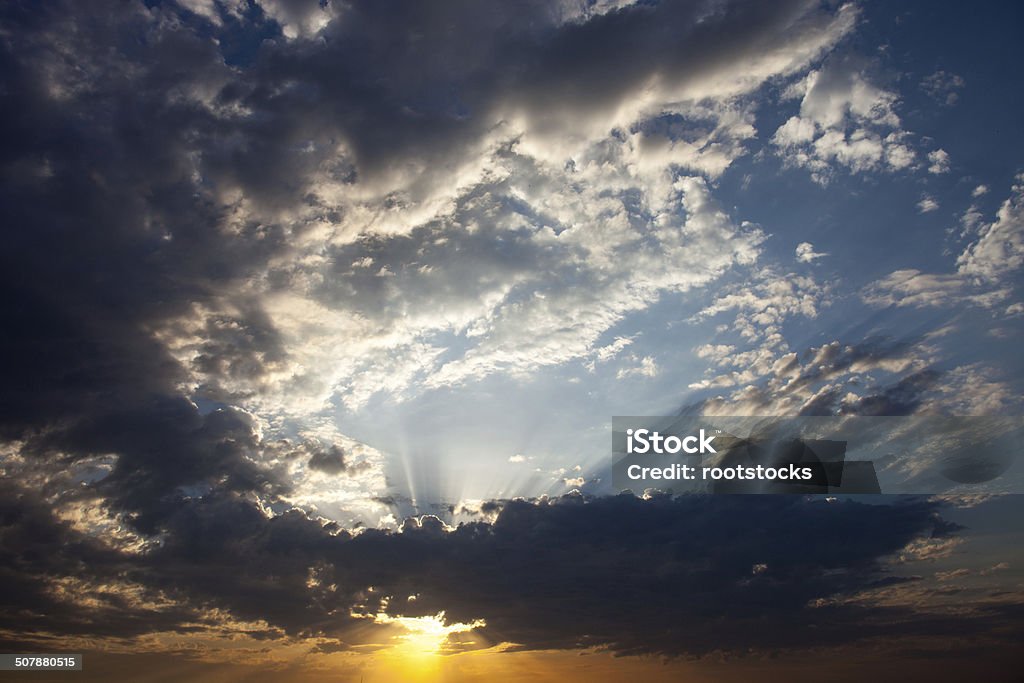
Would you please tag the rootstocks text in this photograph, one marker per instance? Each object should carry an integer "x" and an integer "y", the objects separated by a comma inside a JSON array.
[{"x": 642, "y": 441}]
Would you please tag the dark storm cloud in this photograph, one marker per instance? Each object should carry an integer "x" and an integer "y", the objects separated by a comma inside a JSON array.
[
  {"x": 106, "y": 239},
  {"x": 46, "y": 567},
  {"x": 111, "y": 238},
  {"x": 238, "y": 346},
  {"x": 164, "y": 445},
  {"x": 684, "y": 576},
  {"x": 402, "y": 83},
  {"x": 672, "y": 576},
  {"x": 330, "y": 458}
]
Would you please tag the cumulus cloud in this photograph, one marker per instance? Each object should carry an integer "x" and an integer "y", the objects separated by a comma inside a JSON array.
[
  {"x": 984, "y": 269},
  {"x": 571, "y": 262},
  {"x": 872, "y": 378},
  {"x": 645, "y": 367},
  {"x": 943, "y": 87},
  {"x": 805, "y": 253},
  {"x": 844, "y": 121},
  {"x": 762, "y": 304},
  {"x": 1000, "y": 247},
  {"x": 911, "y": 287},
  {"x": 927, "y": 204},
  {"x": 830, "y": 379},
  {"x": 938, "y": 161}
]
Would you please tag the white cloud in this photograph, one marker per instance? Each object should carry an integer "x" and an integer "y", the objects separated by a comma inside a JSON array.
[
  {"x": 975, "y": 390},
  {"x": 204, "y": 8},
  {"x": 1000, "y": 247},
  {"x": 795, "y": 131},
  {"x": 760, "y": 308},
  {"x": 715, "y": 352},
  {"x": 828, "y": 378},
  {"x": 764, "y": 302},
  {"x": 805, "y": 253},
  {"x": 982, "y": 268},
  {"x": 298, "y": 19},
  {"x": 645, "y": 368},
  {"x": 607, "y": 352},
  {"x": 844, "y": 120},
  {"x": 911, "y": 287},
  {"x": 840, "y": 92},
  {"x": 527, "y": 269},
  {"x": 943, "y": 86},
  {"x": 938, "y": 161},
  {"x": 927, "y": 204}
]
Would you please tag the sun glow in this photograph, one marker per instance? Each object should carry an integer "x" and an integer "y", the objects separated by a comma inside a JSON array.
[
  {"x": 417, "y": 652},
  {"x": 425, "y": 635}
]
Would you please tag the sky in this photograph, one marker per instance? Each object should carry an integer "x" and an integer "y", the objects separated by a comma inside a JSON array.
[{"x": 316, "y": 316}]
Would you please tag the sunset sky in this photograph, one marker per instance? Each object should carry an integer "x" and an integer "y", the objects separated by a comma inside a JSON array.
[{"x": 315, "y": 316}]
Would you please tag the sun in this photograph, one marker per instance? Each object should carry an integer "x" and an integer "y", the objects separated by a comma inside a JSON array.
[
  {"x": 425, "y": 635},
  {"x": 418, "y": 651}
]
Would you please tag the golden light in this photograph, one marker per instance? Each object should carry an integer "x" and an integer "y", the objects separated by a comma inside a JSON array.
[
  {"x": 425, "y": 635},
  {"x": 418, "y": 651}
]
